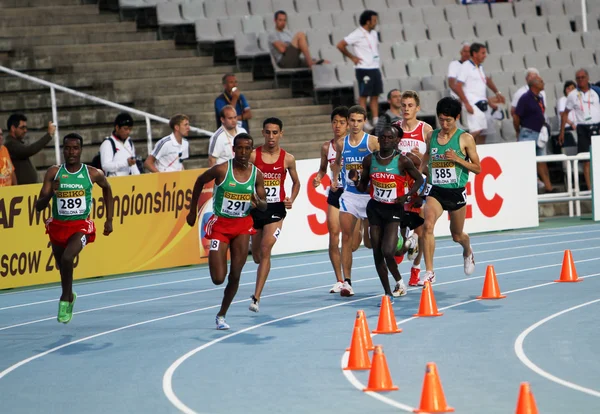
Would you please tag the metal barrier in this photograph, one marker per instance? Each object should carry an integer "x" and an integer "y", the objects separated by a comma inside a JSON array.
[
  {"x": 573, "y": 195},
  {"x": 54, "y": 87}
]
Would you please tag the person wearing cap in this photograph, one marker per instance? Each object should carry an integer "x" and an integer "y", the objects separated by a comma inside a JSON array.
[{"x": 118, "y": 158}]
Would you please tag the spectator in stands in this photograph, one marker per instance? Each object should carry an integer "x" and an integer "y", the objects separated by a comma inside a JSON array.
[
  {"x": 394, "y": 98},
  {"x": 7, "y": 170},
  {"x": 220, "y": 146},
  {"x": 529, "y": 120},
  {"x": 232, "y": 96},
  {"x": 118, "y": 157},
  {"x": 455, "y": 65},
  {"x": 471, "y": 88},
  {"x": 170, "y": 152},
  {"x": 20, "y": 152},
  {"x": 530, "y": 74},
  {"x": 560, "y": 108},
  {"x": 585, "y": 102},
  {"x": 287, "y": 48},
  {"x": 365, "y": 41}
]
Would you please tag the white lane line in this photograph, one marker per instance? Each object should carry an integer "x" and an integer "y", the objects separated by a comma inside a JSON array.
[
  {"x": 561, "y": 242},
  {"x": 359, "y": 385},
  {"x": 527, "y": 362},
  {"x": 204, "y": 267}
]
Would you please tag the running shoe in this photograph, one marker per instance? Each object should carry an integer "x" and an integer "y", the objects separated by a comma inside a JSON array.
[
  {"x": 400, "y": 289},
  {"x": 414, "y": 276},
  {"x": 221, "y": 324},
  {"x": 70, "y": 308},
  {"x": 469, "y": 263},
  {"x": 63, "y": 314},
  {"x": 337, "y": 288},
  {"x": 347, "y": 290},
  {"x": 427, "y": 277},
  {"x": 412, "y": 245},
  {"x": 399, "y": 259},
  {"x": 254, "y": 305}
]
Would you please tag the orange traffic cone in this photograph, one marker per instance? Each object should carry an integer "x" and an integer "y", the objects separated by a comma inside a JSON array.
[
  {"x": 432, "y": 397},
  {"x": 428, "y": 307},
  {"x": 491, "y": 290},
  {"x": 379, "y": 378},
  {"x": 361, "y": 319},
  {"x": 387, "y": 321},
  {"x": 568, "y": 273},
  {"x": 359, "y": 357},
  {"x": 526, "y": 402}
]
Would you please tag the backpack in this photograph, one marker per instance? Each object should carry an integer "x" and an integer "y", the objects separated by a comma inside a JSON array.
[{"x": 96, "y": 161}]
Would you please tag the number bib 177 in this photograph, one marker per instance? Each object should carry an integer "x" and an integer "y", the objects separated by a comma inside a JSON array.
[
  {"x": 71, "y": 203},
  {"x": 384, "y": 192},
  {"x": 443, "y": 172}
]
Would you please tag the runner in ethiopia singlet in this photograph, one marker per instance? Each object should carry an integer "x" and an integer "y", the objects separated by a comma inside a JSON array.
[
  {"x": 71, "y": 206},
  {"x": 274, "y": 175}
]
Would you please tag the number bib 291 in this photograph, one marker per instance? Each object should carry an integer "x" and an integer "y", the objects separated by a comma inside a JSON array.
[
  {"x": 443, "y": 172},
  {"x": 384, "y": 192},
  {"x": 235, "y": 205},
  {"x": 71, "y": 203}
]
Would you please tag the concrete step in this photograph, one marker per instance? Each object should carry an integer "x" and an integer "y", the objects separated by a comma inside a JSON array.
[
  {"x": 302, "y": 151},
  {"x": 13, "y": 84},
  {"x": 114, "y": 73},
  {"x": 53, "y": 12},
  {"x": 314, "y": 132},
  {"x": 84, "y": 39},
  {"x": 96, "y": 134},
  {"x": 207, "y": 106},
  {"x": 23, "y": 102},
  {"x": 251, "y": 96},
  {"x": 294, "y": 119},
  {"x": 173, "y": 85},
  {"x": 72, "y": 29},
  {"x": 38, "y": 3},
  {"x": 124, "y": 48},
  {"x": 203, "y": 62},
  {"x": 294, "y": 115},
  {"x": 185, "y": 82},
  {"x": 27, "y": 21},
  {"x": 97, "y": 57},
  {"x": 28, "y": 63}
]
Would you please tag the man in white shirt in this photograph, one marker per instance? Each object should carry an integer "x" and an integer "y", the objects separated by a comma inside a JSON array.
[
  {"x": 472, "y": 89},
  {"x": 455, "y": 65},
  {"x": 585, "y": 102},
  {"x": 365, "y": 42},
  {"x": 530, "y": 75},
  {"x": 118, "y": 158},
  {"x": 220, "y": 146},
  {"x": 170, "y": 151}
]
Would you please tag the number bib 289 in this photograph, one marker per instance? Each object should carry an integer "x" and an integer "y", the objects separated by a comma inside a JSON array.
[
  {"x": 73, "y": 205},
  {"x": 443, "y": 172},
  {"x": 384, "y": 192}
]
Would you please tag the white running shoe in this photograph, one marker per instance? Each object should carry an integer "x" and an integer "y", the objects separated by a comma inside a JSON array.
[
  {"x": 400, "y": 289},
  {"x": 221, "y": 324},
  {"x": 427, "y": 277},
  {"x": 412, "y": 246},
  {"x": 469, "y": 263},
  {"x": 337, "y": 288},
  {"x": 346, "y": 290},
  {"x": 254, "y": 304}
]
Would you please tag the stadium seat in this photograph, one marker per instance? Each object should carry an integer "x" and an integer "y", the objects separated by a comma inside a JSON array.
[
  {"x": 237, "y": 7},
  {"x": 261, "y": 7}
]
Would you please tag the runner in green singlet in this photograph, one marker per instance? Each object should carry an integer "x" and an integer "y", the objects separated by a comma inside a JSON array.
[
  {"x": 70, "y": 187},
  {"x": 239, "y": 186},
  {"x": 451, "y": 155}
]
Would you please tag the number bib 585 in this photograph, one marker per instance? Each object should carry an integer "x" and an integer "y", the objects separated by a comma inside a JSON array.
[
  {"x": 384, "y": 192},
  {"x": 443, "y": 172},
  {"x": 74, "y": 205}
]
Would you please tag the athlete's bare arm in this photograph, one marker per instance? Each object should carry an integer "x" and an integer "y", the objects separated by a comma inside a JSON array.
[
  {"x": 425, "y": 160},
  {"x": 217, "y": 173},
  {"x": 406, "y": 165},
  {"x": 48, "y": 188},
  {"x": 337, "y": 165},
  {"x": 362, "y": 182},
  {"x": 469, "y": 148},
  {"x": 98, "y": 177},
  {"x": 373, "y": 143},
  {"x": 259, "y": 200},
  {"x": 290, "y": 165},
  {"x": 323, "y": 166}
]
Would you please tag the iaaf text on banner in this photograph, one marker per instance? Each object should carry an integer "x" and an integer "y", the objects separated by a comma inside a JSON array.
[{"x": 502, "y": 197}]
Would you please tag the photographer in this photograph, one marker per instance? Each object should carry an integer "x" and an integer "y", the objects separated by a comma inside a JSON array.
[{"x": 118, "y": 157}]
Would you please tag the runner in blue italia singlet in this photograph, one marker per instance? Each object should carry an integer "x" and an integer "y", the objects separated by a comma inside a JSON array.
[{"x": 451, "y": 155}]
